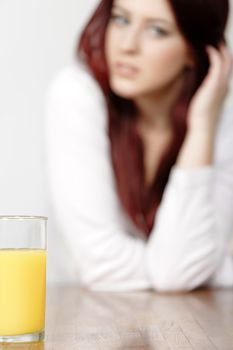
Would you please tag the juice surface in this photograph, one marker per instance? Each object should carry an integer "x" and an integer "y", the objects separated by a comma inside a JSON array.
[{"x": 22, "y": 291}]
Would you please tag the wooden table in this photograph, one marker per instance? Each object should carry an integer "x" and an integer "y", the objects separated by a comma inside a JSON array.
[{"x": 78, "y": 319}]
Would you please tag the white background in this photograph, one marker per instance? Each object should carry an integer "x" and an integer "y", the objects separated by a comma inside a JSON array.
[{"x": 37, "y": 38}]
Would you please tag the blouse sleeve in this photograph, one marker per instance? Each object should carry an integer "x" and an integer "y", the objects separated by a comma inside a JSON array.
[{"x": 187, "y": 246}]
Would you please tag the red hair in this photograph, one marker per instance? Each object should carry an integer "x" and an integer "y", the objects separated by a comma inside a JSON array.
[{"x": 201, "y": 23}]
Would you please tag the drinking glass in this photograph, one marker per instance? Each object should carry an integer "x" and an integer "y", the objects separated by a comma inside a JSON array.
[{"x": 23, "y": 252}]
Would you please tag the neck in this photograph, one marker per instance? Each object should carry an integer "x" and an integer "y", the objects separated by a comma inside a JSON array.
[{"x": 154, "y": 109}]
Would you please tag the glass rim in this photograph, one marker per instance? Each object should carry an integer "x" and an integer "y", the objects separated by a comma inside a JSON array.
[{"x": 23, "y": 217}]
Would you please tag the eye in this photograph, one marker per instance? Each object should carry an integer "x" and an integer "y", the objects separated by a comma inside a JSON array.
[
  {"x": 157, "y": 31},
  {"x": 119, "y": 19}
]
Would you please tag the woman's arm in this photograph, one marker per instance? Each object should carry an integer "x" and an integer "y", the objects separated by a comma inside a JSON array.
[
  {"x": 82, "y": 188},
  {"x": 195, "y": 215}
]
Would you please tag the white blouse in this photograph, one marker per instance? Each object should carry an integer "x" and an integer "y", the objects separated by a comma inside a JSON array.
[{"x": 94, "y": 242}]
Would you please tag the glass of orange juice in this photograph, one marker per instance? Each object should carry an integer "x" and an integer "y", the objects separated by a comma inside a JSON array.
[{"x": 23, "y": 251}]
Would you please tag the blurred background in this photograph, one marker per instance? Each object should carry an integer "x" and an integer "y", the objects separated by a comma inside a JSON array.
[{"x": 37, "y": 39}]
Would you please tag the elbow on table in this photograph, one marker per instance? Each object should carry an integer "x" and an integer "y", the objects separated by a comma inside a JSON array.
[
  {"x": 184, "y": 271},
  {"x": 173, "y": 283},
  {"x": 183, "y": 280}
]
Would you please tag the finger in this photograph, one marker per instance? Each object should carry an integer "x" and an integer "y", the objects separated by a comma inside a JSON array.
[
  {"x": 227, "y": 67},
  {"x": 215, "y": 68},
  {"x": 227, "y": 60},
  {"x": 218, "y": 76},
  {"x": 224, "y": 66}
]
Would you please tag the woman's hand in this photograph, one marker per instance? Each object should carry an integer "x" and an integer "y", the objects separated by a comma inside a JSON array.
[
  {"x": 206, "y": 105},
  {"x": 204, "y": 111}
]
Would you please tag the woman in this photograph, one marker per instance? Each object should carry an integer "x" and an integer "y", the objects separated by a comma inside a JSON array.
[{"x": 140, "y": 151}]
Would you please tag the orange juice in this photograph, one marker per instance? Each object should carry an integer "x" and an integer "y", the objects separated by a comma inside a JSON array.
[{"x": 22, "y": 291}]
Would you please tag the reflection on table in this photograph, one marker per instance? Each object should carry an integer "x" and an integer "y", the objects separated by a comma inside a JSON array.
[
  {"x": 78, "y": 319},
  {"x": 32, "y": 346}
]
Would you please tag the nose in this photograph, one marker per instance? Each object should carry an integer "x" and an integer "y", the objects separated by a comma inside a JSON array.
[{"x": 130, "y": 40}]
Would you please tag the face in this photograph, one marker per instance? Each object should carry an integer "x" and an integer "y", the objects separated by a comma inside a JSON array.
[{"x": 144, "y": 48}]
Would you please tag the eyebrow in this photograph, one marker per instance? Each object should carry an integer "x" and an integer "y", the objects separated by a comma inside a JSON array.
[{"x": 148, "y": 19}]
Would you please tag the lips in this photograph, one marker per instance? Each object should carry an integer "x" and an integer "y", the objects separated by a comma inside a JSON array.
[{"x": 125, "y": 69}]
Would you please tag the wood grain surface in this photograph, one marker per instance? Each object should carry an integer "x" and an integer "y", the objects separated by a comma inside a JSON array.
[{"x": 77, "y": 319}]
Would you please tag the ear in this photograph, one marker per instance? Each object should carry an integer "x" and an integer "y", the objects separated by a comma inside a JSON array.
[
  {"x": 190, "y": 62},
  {"x": 190, "y": 65}
]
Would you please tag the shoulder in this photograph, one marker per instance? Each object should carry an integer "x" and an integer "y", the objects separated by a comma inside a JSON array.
[
  {"x": 76, "y": 80},
  {"x": 74, "y": 91},
  {"x": 224, "y": 137}
]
